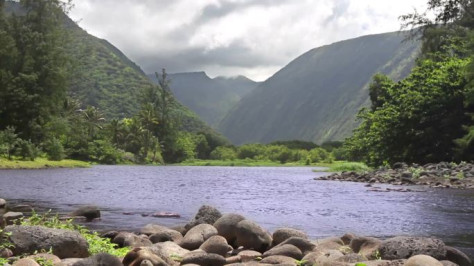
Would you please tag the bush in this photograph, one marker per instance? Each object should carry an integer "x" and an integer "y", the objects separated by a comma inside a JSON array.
[
  {"x": 27, "y": 150},
  {"x": 55, "y": 150},
  {"x": 102, "y": 151},
  {"x": 224, "y": 153}
]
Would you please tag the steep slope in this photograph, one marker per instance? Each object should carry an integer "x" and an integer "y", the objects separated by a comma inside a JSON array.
[
  {"x": 316, "y": 97},
  {"x": 104, "y": 77},
  {"x": 211, "y": 99}
]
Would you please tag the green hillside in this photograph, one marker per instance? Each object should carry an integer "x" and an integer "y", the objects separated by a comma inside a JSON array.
[
  {"x": 104, "y": 77},
  {"x": 211, "y": 99},
  {"x": 316, "y": 97}
]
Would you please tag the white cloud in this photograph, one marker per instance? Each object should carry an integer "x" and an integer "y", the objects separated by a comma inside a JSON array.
[{"x": 233, "y": 37}]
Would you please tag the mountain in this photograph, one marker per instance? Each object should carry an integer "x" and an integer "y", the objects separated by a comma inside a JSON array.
[
  {"x": 106, "y": 78},
  {"x": 211, "y": 99},
  {"x": 317, "y": 96}
]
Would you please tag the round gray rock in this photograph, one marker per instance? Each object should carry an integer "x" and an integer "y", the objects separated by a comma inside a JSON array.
[
  {"x": 403, "y": 247},
  {"x": 64, "y": 243},
  {"x": 302, "y": 244},
  {"x": 251, "y": 236},
  {"x": 126, "y": 239},
  {"x": 283, "y": 234},
  {"x": 227, "y": 225},
  {"x": 100, "y": 259},
  {"x": 11, "y": 217},
  {"x": 205, "y": 215},
  {"x": 204, "y": 259},
  {"x": 422, "y": 260},
  {"x": 167, "y": 235},
  {"x": 3, "y": 203},
  {"x": 457, "y": 257},
  {"x": 195, "y": 237},
  {"x": 285, "y": 250},
  {"x": 280, "y": 260},
  {"x": 89, "y": 212},
  {"x": 217, "y": 245}
]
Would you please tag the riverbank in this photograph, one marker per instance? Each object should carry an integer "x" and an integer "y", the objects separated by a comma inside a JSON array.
[
  {"x": 440, "y": 175},
  {"x": 41, "y": 163},
  {"x": 213, "y": 238},
  {"x": 335, "y": 166}
]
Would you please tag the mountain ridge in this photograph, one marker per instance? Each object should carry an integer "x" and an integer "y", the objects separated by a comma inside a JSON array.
[{"x": 320, "y": 92}]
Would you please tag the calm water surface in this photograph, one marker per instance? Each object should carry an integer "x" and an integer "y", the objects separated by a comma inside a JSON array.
[{"x": 272, "y": 196}]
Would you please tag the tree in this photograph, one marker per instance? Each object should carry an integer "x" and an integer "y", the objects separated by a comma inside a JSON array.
[
  {"x": 34, "y": 66},
  {"x": 9, "y": 139}
]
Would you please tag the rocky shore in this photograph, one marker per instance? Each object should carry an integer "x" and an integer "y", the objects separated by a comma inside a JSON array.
[
  {"x": 440, "y": 175},
  {"x": 214, "y": 239}
]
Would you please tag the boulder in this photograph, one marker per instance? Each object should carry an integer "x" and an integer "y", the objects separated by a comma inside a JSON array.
[
  {"x": 422, "y": 260},
  {"x": 25, "y": 262},
  {"x": 99, "y": 259},
  {"x": 283, "y": 234},
  {"x": 227, "y": 225},
  {"x": 170, "y": 250},
  {"x": 403, "y": 247},
  {"x": 110, "y": 234},
  {"x": 203, "y": 259},
  {"x": 351, "y": 258},
  {"x": 457, "y": 257},
  {"x": 3, "y": 203},
  {"x": 217, "y": 245},
  {"x": 168, "y": 235},
  {"x": 249, "y": 255},
  {"x": 11, "y": 217},
  {"x": 90, "y": 212},
  {"x": 251, "y": 236},
  {"x": 137, "y": 255},
  {"x": 285, "y": 250},
  {"x": 151, "y": 229},
  {"x": 68, "y": 262},
  {"x": 280, "y": 260},
  {"x": 126, "y": 239},
  {"x": 205, "y": 215},
  {"x": 6, "y": 253},
  {"x": 366, "y": 246},
  {"x": 301, "y": 243},
  {"x": 347, "y": 238},
  {"x": 46, "y": 257},
  {"x": 64, "y": 243},
  {"x": 329, "y": 257},
  {"x": 195, "y": 237}
]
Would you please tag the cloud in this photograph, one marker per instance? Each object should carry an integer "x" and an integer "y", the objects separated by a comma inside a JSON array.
[{"x": 232, "y": 37}]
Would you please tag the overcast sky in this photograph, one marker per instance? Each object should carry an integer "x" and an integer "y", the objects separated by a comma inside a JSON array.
[{"x": 254, "y": 38}]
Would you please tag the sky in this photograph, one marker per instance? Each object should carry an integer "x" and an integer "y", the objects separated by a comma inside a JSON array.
[{"x": 254, "y": 38}]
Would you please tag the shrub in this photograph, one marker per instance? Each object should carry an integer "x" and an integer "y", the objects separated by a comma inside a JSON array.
[
  {"x": 27, "y": 150},
  {"x": 54, "y": 150}
]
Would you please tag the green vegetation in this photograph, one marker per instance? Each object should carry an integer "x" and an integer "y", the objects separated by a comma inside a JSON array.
[
  {"x": 96, "y": 243},
  {"x": 78, "y": 97},
  {"x": 427, "y": 117},
  {"x": 40, "y": 163},
  {"x": 316, "y": 96},
  {"x": 342, "y": 166}
]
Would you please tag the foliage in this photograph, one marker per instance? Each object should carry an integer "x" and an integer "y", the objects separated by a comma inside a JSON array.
[
  {"x": 96, "y": 243},
  {"x": 224, "y": 153},
  {"x": 54, "y": 150},
  {"x": 27, "y": 150},
  {"x": 39, "y": 163},
  {"x": 34, "y": 68},
  {"x": 417, "y": 119},
  {"x": 8, "y": 141},
  {"x": 348, "y": 167}
]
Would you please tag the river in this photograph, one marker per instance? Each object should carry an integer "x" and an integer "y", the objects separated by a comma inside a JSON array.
[{"x": 272, "y": 196}]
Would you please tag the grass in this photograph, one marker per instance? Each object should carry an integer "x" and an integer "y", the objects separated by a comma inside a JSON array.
[
  {"x": 343, "y": 166},
  {"x": 96, "y": 243},
  {"x": 41, "y": 163}
]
